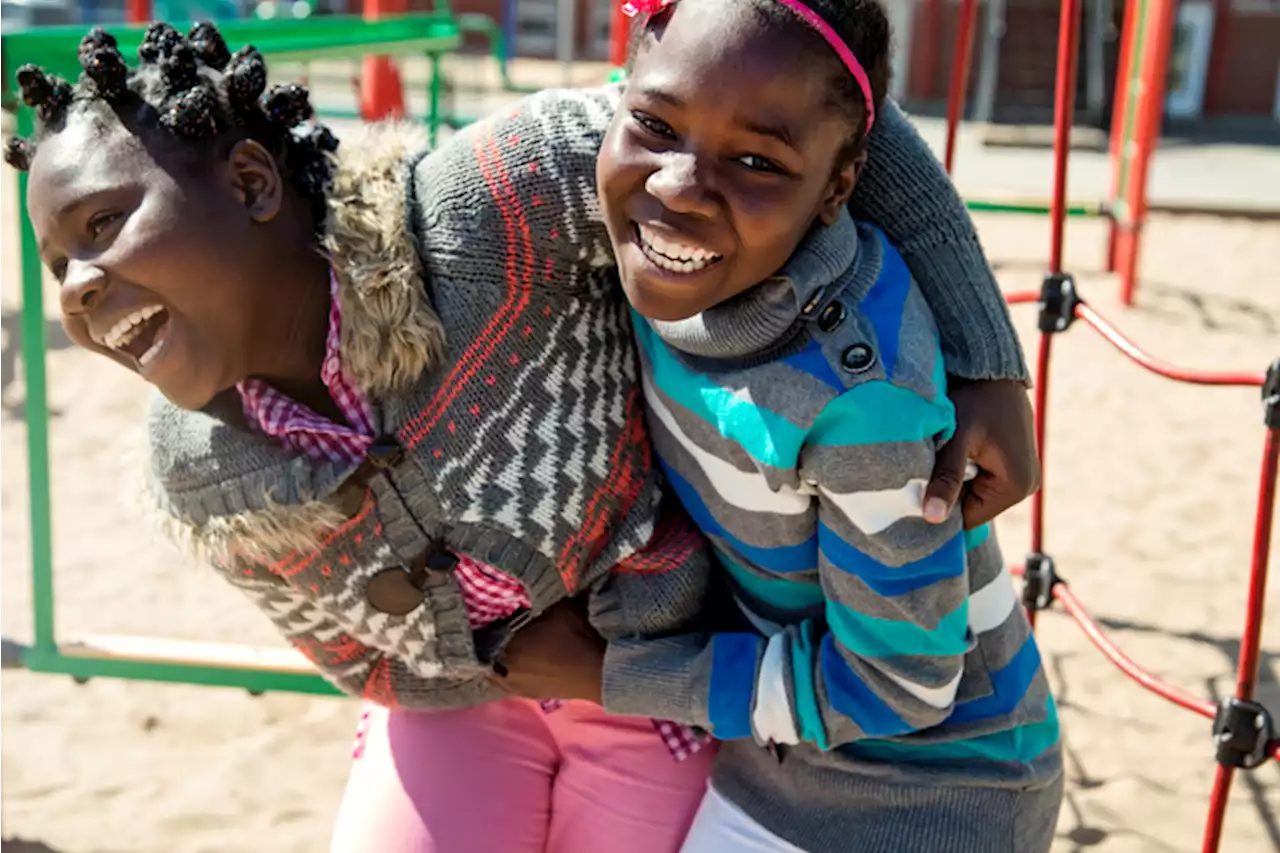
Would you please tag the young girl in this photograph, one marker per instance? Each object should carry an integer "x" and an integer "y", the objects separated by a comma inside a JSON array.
[
  {"x": 401, "y": 412},
  {"x": 884, "y": 691}
]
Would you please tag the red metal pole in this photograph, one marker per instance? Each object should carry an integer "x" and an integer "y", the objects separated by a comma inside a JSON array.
[
  {"x": 619, "y": 36},
  {"x": 1247, "y": 673},
  {"x": 1119, "y": 112},
  {"x": 1064, "y": 106},
  {"x": 138, "y": 11},
  {"x": 959, "y": 76},
  {"x": 1150, "y": 107},
  {"x": 381, "y": 95}
]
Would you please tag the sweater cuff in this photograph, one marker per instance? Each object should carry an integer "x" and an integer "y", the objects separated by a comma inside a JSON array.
[
  {"x": 658, "y": 678},
  {"x": 978, "y": 338}
]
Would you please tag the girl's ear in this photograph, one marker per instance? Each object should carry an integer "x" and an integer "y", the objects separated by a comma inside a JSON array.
[
  {"x": 841, "y": 188},
  {"x": 256, "y": 180}
]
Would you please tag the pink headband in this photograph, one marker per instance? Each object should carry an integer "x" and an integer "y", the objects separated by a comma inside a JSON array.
[{"x": 631, "y": 8}]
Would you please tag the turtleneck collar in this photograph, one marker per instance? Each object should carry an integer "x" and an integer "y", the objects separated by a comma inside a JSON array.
[{"x": 759, "y": 317}]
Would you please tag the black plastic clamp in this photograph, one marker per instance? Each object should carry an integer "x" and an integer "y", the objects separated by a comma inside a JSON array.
[
  {"x": 1058, "y": 301},
  {"x": 1271, "y": 396},
  {"x": 1242, "y": 731},
  {"x": 1039, "y": 577}
]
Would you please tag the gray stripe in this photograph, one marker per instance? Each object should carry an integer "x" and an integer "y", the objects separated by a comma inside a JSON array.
[
  {"x": 925, "y": 606},
  {"x": 851, "y": 468},
  {"x": 905, "y": 541},
  {"x": 701, "y": 433}
]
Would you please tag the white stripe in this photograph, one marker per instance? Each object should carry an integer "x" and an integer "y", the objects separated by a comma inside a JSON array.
[
  {"x": 771, "y": 718},
  {"x": 872, "y": 512},
  {"x": 991, "y": 605},
  {"x": 935, "y": 697},
  {"x": 741, "y": 489}
]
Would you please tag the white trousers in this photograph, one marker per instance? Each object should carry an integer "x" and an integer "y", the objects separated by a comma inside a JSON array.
[{"x": 722, "y": 827}]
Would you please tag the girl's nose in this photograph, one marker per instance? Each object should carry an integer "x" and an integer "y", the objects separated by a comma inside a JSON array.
[
  {"x": 683, "y": 186},
  {"x": 81, "y": 286}
]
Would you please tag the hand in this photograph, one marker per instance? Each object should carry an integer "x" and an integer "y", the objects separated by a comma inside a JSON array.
[
  {"x": 995, "y": 428},
  {"x": 556, "y": 656}
]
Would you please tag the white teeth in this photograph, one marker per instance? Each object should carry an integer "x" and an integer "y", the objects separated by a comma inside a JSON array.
[
  {"x": 151, "y": 353},
  {"x": 124, "y": 330},
  {"x": 677, "y": 257}
]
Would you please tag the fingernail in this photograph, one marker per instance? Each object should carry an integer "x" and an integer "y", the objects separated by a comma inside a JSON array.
[{"x": 935, "y": 510}]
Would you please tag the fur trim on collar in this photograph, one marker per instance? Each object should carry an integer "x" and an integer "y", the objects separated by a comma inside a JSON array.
[{"x": 390, "y": 332}]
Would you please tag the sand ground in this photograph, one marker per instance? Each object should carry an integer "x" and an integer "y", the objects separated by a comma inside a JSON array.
[{"x": 1151, "y": 491}]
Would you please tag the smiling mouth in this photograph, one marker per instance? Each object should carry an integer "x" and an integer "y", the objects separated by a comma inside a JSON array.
[
  {"x": 672, "y": 256},
  {"x": 139, "y": 335}
]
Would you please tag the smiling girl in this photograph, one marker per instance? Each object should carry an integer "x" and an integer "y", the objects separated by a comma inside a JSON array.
[{"x": 401, "y": 410}]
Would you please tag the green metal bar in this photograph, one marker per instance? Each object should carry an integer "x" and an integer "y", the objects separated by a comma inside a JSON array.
[
  {"x": 1079, "y": 209},
  {"x": 37, "y": 415},
  {"x": 433, "y": 100},
  {"x": 53, "y": 661}
]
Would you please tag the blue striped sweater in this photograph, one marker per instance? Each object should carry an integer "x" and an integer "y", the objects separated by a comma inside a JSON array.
[{"x": 798, "y": 424}]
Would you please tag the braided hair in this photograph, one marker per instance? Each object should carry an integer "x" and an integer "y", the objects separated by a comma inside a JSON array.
[
  {"x": 190, "y": 90},
  {"x": 861, "y": 24}
]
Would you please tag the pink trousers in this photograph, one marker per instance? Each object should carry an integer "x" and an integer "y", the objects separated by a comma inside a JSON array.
[{"x": 509, "y": 778}]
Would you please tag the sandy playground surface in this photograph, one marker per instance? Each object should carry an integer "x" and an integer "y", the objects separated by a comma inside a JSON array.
[{"x": 1151, "y": 491}]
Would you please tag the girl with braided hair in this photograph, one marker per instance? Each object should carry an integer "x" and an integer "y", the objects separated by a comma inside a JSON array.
[{"x": 400, "y": 408}]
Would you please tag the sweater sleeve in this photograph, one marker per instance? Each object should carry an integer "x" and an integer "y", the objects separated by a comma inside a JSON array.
[
  {"x": 350, "y": 663},
  {"x": 905, "y": 192},
  {"x": 888, "y": 655}
]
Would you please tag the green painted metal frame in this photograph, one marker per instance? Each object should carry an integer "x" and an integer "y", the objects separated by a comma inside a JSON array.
[{"x": 54, "y": 48}]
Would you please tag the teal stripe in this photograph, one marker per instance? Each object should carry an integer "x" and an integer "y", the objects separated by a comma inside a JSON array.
[
  {"x": 873, "y": 637},
  {"x": 939, "y": 376},
  {"x": 879, "y": 412},
  {"x": 767, "y": 436},
  {"x": 975, "y": 537},
  {"x": 803, "y": 662},
  {"x": 1022, "y": 744},
  {"x": 778, "y": 592}
]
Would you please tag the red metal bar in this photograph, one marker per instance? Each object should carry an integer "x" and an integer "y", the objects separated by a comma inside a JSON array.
[
  {"x": 959, "y": 76},
  {"x": 1119, "y": 111},
  {"x": 1064, "y": 106},
  {"x": 1155, "y": 65},
  {"x": 1251, "y": 640},
  {"x": 619, "y": 36},
  {"x": 1123, "y": 662},
  {"x": 1163, "y": 368},
  {"x": 138, "y": 11},
  {"x": 381, "y": 93}
]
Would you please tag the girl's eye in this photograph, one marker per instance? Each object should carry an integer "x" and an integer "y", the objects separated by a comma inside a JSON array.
[
  {"x": 100, "y": 222},
  {"x": 756, "y": 163},
  {"x": 656, "y": 126}
]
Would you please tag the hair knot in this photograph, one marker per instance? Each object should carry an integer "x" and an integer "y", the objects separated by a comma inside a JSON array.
[
  {"x": 209, "y": 46},
  {"x": 246, "y": 78},
  {"x": 17, "y": 153},
  {"x": 48, "y": 93},
  {"x": 105, "y": 68},
  {"x": 158, "y": 41},
  {"x": 287, "y": 105},
  {"x": 192, "y": 115}
]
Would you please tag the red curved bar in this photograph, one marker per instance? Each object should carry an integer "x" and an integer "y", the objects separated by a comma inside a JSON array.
[{"x": 1163, "y": 368}]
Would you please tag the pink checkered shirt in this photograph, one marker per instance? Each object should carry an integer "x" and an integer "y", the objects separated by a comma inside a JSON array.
[{"x": 487, "y": 593}]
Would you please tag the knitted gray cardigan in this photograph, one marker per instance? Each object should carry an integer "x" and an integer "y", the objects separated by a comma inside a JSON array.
[{"x": 482, "y": 318}]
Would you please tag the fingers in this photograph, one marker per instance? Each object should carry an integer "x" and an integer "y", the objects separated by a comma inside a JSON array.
[{"x": 943, "y": 491}]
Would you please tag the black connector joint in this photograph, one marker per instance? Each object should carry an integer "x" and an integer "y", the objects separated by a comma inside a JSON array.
[
  {"x": 1058, "y": 301},
  {"x": 1242, "y": 732},
  {"x": 1271, "y": 396},
  {"x": 1039, "y": 577}
]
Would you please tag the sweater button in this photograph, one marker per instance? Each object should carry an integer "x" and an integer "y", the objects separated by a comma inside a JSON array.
[
  {"x": 858, "y": 358},
  {"x": 831, "y": 317},
  {"x": 393, "y": 592},
  {"x": 385, "y": 452}
]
